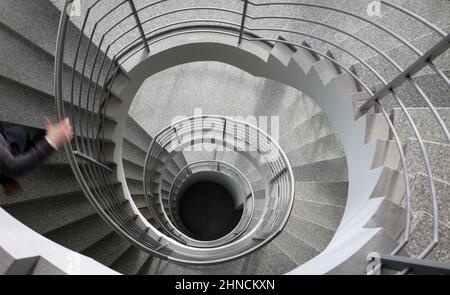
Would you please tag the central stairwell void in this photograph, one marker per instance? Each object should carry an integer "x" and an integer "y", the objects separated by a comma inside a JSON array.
[
  {"x": 222, "y": 227},
  {"x": 356, "y": 182},
  {"x": 208, "y": 211}
]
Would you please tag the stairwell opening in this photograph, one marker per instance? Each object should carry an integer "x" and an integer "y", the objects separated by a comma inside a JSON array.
[{"x": 208, "y": 210}]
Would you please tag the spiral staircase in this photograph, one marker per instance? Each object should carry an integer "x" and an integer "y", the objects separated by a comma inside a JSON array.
[{"x": 350, "y": 175}]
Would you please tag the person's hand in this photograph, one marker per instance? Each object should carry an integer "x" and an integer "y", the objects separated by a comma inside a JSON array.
[{"x": 59, "y": 133}]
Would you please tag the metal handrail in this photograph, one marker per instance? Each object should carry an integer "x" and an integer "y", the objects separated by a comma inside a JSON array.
[
  {"x": 96, "y": 181},
  {"x": 168, "y": 141}
]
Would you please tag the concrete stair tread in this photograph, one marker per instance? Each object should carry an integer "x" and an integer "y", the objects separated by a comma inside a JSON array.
[
  {"x": 135, "y": 187},
  {"x": 146, "y": 213},
  {"x": 405, "y": 57},
  {"x": 409, "y": 28},
  {"x": 38, "y": 73},
  {"x": 333, "y": 193},
  {"x": 50, "y": 214},
  {"x": 428, "y": 128},
  {"x": 308, "y": 131},
  {"x": 135, "y": 134},
  {"x": 81, "y": 234},
  {"x": 36, "y": 184},
  {"x": 421, "y": 236},
  {"x": 297, "y": 250},
  {"x": 421, "y": 197},
  {"x": 438, "y": 155},
  {"x": 296, "y": 114},
  {"x": 325, "y": 148},
  {"x": 278, "y": 260},
  {"x": 162, "y": 267},
  {"x": 249, "y": 265},
  {"x": 130, "y": 262},
  {"x": 327, "y": 170},
  {"x": 311, "y": 233},
  {"x": 325, "y": 215},
  {"x": 434, "y": 87},
  {"x": 108, "y": 249},
  {"x": 49, "y": 18},
  {"x": 132, "y": 170},
  {"x": 34, "y": 105},
  {"x": 132, "y": 153},
  {"x": 139, "y": 201}
]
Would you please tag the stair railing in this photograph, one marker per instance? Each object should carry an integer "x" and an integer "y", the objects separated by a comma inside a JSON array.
[{"x": 111, "y": 48}]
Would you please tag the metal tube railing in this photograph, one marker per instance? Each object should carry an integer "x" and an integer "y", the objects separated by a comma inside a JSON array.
[{"x": 96, "y": 182}]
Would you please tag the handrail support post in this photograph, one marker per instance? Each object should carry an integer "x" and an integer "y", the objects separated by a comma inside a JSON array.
[
  {"x": 139, "y": 24},
  {"x": 244, "y": 16}
]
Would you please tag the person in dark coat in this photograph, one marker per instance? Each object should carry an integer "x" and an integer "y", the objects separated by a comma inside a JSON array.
[{"x": 19, "y": 154}]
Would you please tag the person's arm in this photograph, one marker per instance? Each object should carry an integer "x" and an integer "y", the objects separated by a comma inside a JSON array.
[
  {"x": 11, "y": 166},
  {"x": 57, "y": 136}
]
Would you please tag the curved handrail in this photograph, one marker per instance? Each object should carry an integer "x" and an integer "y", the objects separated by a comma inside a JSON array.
[
  {"x": 175, "y": 136},
  {"x": 96, "y": 181}
]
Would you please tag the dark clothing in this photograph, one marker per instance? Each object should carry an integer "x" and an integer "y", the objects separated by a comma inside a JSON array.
[{"x": 18, "y": 155}]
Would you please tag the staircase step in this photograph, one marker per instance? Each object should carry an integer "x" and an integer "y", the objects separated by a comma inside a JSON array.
[
  {"x": 325, "y": 215},
  {"x": 296, "y": 249},
  {"x": 421, "y": 197},
  {"x": 311, "y": 13},
  {"x": 261, "y": 194},
  {"x": 81, "y": 234},
  {"x": 404, "y": 57},
  {"x": 338, "y": 20},
  {"x": 35, "y": 67},
  {"x": 333, "y": 193},
  {"x": 169, "y": 170},
  {"x": 310, "y": 130},
  {"x": 258, "y": 187},
  {"x": 313, "y": 234},
  {"x": 297, "y": 113},
  {"x": 33, "y": 105},
  {"x": 325, "y": 148},
  {"x": 131, "y": 261},
  {"x": 197, "y": 153},
  {"x": 434, "y": 87},
  {"x": 135, "y": 187},
  {"x": 409, "y": 29},
  {"x": 423, "y": 118},
  {"x": 49, "y": 17},
  {"x": 328, "y": 170},
  {"x": 179, "y": 160},
  {"x": 132, "y": 170},
  {"x": 252, "y": 264},
  {"x": 135, "y": 134},
  {"x": 279, "y": 262},
  {"x": 422, "y": 234},
  {"x": 51, "y": 213},
  {"x": 162, "y": 267},
  {"x": 146, "y": 213},
  {"x": 140, "y": 201},
  {"x": 132, "y": 153},
  {"x": 37, "y": 184},
  {"x": 438, "y": 155},
  {"x": 108, "y": 249}
]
